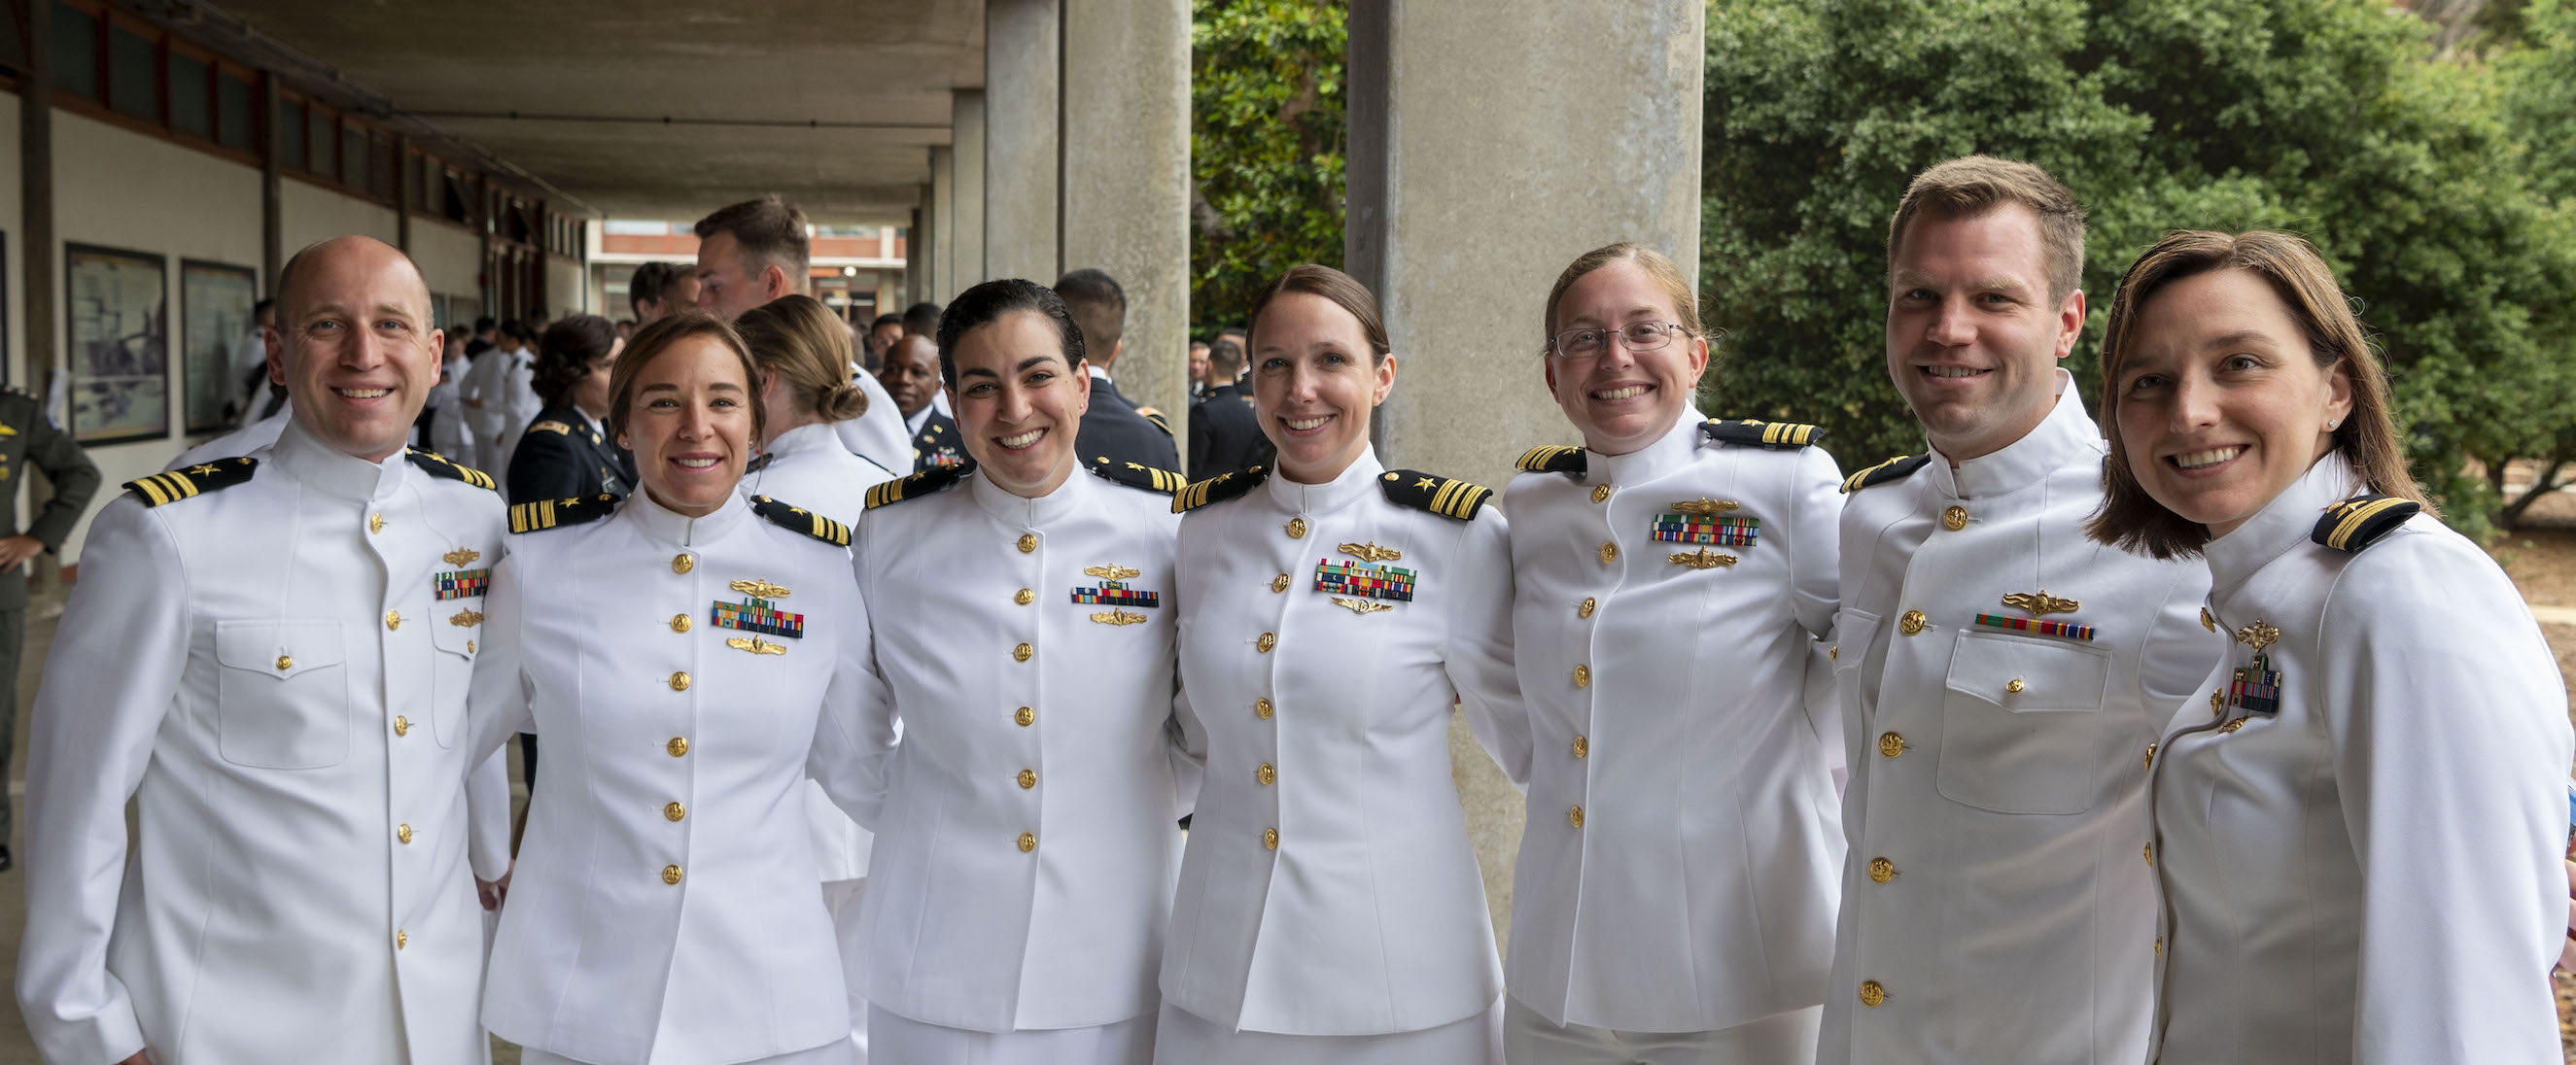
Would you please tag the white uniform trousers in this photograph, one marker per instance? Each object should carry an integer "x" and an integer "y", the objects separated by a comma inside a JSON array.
[
  {"x": 900, "y": 1040},
  {"x": 841, "y": 897},
  {"x": 827, "y": 1054},
  {"x": 1185, "y": 1038},
  {"x": 1779, "y": 1039}
]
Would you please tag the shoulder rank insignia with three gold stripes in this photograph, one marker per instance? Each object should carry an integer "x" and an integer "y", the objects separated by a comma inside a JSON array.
[
  {"x": 1559, "y": 458},
  {"x": 194, "y": 480},
  {"x": 1218, "y": 489},
  {"x": 1137, "y": 475},
  {"x": 1444, "y": 496},
  {"x": 2354, "y": 523},
  {"x": 437, "y": 465},
  {"x": 555, "y": 513},
  {"x": 799, "y": 519},
  {"x": 1895, "y": 469},
  {"x": 1781, "y": 436},
  {"x": 919, "y": 484}
]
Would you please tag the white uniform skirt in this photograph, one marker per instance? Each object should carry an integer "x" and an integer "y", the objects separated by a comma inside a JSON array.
[
  {"x": 841, "y": 1053},
  {"x": 900, "y": 1040},
  {"x": 1185, "y": 1038}
]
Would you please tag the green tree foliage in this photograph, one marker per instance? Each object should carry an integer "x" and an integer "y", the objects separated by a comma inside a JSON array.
[
  {"x": 2331, "y": 118},
  {"x": 1266, "y": 146}
]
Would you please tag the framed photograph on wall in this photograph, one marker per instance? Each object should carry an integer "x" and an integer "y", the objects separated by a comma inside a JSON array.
[
  {"x": 118, "y": 318},
  {"x": 215, "y": 301}
]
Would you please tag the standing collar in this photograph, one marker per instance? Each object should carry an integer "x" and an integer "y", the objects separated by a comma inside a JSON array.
[
  {"x": 1023, "y": 513},
  {"x": 2283, "y": 523},
  {"x": 1358, "y": 480},
  {"x": 919, "y": 419},
  {"x": 1096, "y": 372},
  {"x": 2066, "y": 436},
  {"x": 1668, "y": 452},
  {"x": 303, "y": 456},
  {"x": 663, "y": 525},
  {"x": 806, "y": 437}
]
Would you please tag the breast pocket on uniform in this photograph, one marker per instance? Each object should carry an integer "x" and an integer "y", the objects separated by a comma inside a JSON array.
[
  {"x": 456, "y": 639},
  {"x": 282, "y": 694},
  {"x": 2019, "y": 722}
]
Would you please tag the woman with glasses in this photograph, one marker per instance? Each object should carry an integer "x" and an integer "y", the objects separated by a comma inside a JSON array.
[
  {"x": 2356, "y": 824},
  {"x": 1331, "y": 612},
  {"x": 1674, "y": 900}
]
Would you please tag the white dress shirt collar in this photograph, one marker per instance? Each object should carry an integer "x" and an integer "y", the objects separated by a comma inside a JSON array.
[
  {"x": 1357, "y": 481},
  {"x": 805, "y": 438},
  {"x": 2283, "y": 523},
  {"x": 303, "y": 456},
  {"x": 913, "y": 422},
  {"x": 2061, "y": 438},
  {"x": 1023, "y": 513},
  {"x": 665, "y": 526},
  {"x": 1669, "y": 452}
]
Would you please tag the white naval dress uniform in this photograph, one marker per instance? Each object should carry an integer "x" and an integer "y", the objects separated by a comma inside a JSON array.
[
  {"x": 517, "y": 405},
  {"x": 1997, "y": 905},
  {"x": 483, "y": 395},
  {"x": 2359, "y": 850},
  {"x": 1679, "y": 869},
  {"x": 1026, "y": 842},
  {"x": 877, "y": 434},
  {"x": 686, "y": 675},
  {"x": 272, "y": 672},
  {"x": 1330, "y": 907},
  {"x": 807, "y": 464}
]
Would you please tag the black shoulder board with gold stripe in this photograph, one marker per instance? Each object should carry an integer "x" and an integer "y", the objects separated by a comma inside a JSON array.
[
  {"x": 1784, "y": 436},
  {"x": 1895, "y": 469},
  {"x": 1156, "y": 417},
  {"x": 195, "y": 480},
  {"x": 438, "y": 465},
  {"x": 1218, "y": 489},
  {"x": 553, "y": 513},
  {"x": 799, "y": 519},
  {"x": 1557, "y": 459},
  {"x": 918, "y": 485},
  {"x": 1444, "y": 496},
  {"x": 1137, "y": 475},
  {"x": 2352, "y": 524}
]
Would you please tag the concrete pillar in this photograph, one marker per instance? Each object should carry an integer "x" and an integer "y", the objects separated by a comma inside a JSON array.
[
  {"x": 1023, "y": 146},
  {"x": 1475, "y": 175},
  {"x": 1127, "y": 180},
  {"x": 962, "y": 245},
  {"x": 37, "y": 259},
  {"x": 916, "y": 251},
  {"x": 939, "y": 273}
]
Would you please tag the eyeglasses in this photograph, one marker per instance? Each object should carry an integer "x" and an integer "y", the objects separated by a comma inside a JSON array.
[{"x": 1593, "y": 340}]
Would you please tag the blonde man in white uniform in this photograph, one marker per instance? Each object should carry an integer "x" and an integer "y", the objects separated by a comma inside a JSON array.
[
  {"x": 1026, "y": 843},
  {"x": 266, "y": 655},
  {"x": 2001, "y": 674}
]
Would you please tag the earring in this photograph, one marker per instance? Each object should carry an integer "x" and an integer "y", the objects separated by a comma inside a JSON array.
[{"x": 2332, "y": 422}]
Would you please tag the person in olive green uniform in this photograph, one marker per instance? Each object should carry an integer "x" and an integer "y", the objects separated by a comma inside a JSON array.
[{"x": 28, "y": 439}]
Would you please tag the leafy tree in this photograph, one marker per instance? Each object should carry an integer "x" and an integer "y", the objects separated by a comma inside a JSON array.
[
  {"x": 1266, "y": 146},
  {"x": 2332, "y": 118}
]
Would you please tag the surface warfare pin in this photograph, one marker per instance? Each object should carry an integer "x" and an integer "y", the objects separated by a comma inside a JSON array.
[
  {"x": 757, "y": 614},
  {"x": 1113, "y": 591}
]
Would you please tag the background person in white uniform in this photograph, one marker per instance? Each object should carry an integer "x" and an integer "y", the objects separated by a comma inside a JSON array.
[
  {"x": 1672, "y": 577},
  {"x": 1330, "y": 908},
  {"x": 689, "y": 657},
  {"x": 2358, "y": 825}
]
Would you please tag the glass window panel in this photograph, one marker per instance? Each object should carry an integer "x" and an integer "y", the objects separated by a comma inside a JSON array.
[
  {"x": 291, "y": 126},
  {"x": 353, "y": 157},
  {"x": 75, "y": 36},
  {"x": 323, "y": 137},
  {"x": 133, "y": 74},
  {"x": 637, "y": 227},
  {"x": 233, "y": 119},
  {"x": 190, "y": 111}
]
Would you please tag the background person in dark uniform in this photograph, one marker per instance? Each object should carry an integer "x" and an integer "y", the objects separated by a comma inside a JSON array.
[
  {"x": 911, "y": 378},
  {"x": 563, "y": 455},
  {"x": 1114, "y": 427},
  {"x": 1224, "y": 434},
  {"x": 27, "y": 438}
]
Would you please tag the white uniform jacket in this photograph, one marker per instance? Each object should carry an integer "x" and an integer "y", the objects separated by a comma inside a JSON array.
[
  {"x": 2359, "y": 850},
  {"x": 1997, "y": 904},
  {"x": 481, "y": 393},
  {"x": 272, "y": 672},
  {"x": 877, "y": 434},
  {"x": 1328, "y": 887},
  {"x": 1680, "y": 864},
  {"x": 808, "y": 466},
  {"x": 686, "y": 675},
  {"x": 1028, "y": 838},
  {"x": 516, "y": 404},
  {"x": 447, "y": 434}
]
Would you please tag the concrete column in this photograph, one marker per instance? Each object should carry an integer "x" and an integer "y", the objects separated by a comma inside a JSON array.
[
  {"x": 1127, "y": 180},
  {"x": 1475, "y": 175},
  {"x": 1023, "y": 147},
  {"x": 939, "y": 270},
  {"x": 962, "y": 244},
  {"x": 37, "y": 259},
  {"x": 916, "y": 251}
]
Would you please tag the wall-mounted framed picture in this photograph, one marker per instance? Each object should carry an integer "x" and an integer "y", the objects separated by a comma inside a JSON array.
[
  {"x": 118, "y": 319},
  {"x": 215, "y": 301}
]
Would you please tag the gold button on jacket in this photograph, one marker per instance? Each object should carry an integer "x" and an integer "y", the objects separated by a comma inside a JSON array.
[
  {"x": 1601, "y": 493},
  {"x": 1266, "y": 775},
  {"x": 679, "y": 623},
  {"x": 670, "y": 874},
  {"x": 1028, "y": 542},
  {"x": 683, "y": 563},
  {"x": 1590, "y": 604},
  {"x": 1022, "y": 652},
  {"x": 1267, "y": 641},
  {"x": 403, "y": 833},
  {"x": 1871, "y": 994},
  {"x": 1026, "y": 716},
  {"x": 1028, "y": 779},
  {"x": 1279, "y": 583},
  {"x": 1912, "y": 623},
  {"x": 1954, "y": 519},
  {"x": 1024, "y": 597},
  {"x": 1881, "y": 870},
  {"x": 402, "y": 725},
  {"x": 393, "y": 620},
  {"x": 1890, "y": 745},
  {"x": 1261, "y": 708},
  {"x": 674, "y": 812},
  {"x": 680, "y": 681},
  {"x": 1296, "y": 528},
  {"x": 677, "y": 746},
  {"x": 1028, "y": 842}
]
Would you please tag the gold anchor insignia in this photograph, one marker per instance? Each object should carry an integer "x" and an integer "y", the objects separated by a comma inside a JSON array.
[
  {"x": 760, "y": 590},
  {"x": 1703, "y": 559},
  {"x": 2041, "y": 604},
  {"x": 755, "y": 645},
  {"x": 1361, "y": 606},
  {"x": 1111, "y": 573},
  {"x": 1705, "y": 505},
  {"x": 1118, "y": 617},
  {"x": 1371, "y": 552},
  {"x": 461, "y": 556},
  {"x": 465, "y": 619},
  {"x": 2258, "y": 635}
]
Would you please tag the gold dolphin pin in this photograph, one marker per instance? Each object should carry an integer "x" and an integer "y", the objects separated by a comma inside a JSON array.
[
  {"x": 2258, "y": 635},
  {"x": 1118, "y": 617},
  {"x": 1371, "y": 552},
  {"x": 2041, "y": 604},
  {"x": 1111, "y": 573},
  {"x": 1703, "y": 559},
  {"x": 760, "y": 589},
  {"x": 465, "y": 619},
  {"x": 1361, "y": 607},
  {"x": 755, "y": 645},
  {"x": 461, "y": 556},
  {"x": 1705, "y": 505}
]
